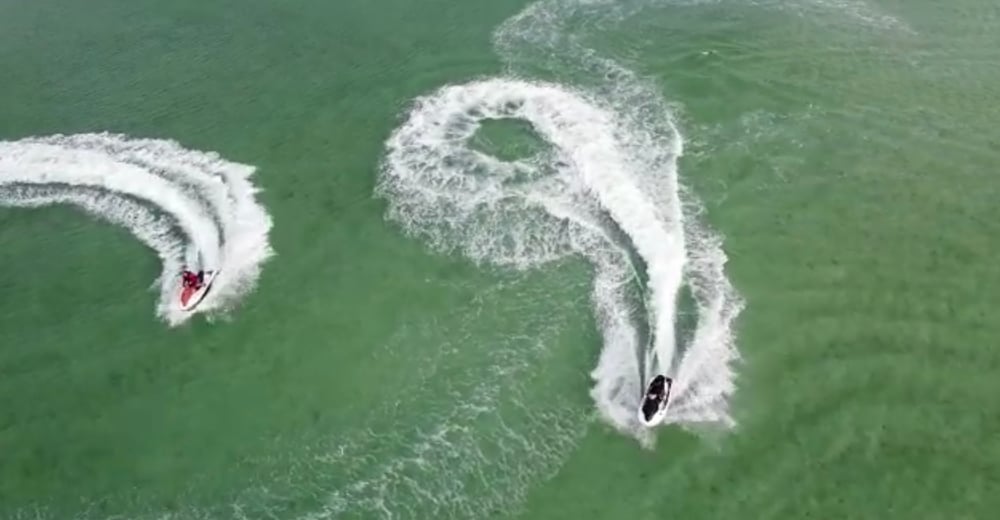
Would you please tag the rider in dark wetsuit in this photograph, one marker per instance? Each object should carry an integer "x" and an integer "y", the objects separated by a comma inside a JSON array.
[
  {"x": 193, "y": 280},
  {"x": 655, "y": 395},
  {"x": 656, "y": 388}
]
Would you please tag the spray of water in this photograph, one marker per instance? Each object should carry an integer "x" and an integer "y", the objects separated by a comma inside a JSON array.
[
  {"x": 194, "y": 209},
  {"x": 610, "y": 171}
]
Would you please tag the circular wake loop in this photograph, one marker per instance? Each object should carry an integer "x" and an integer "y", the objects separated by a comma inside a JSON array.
[
  {"x": 611, "y": 171},
  {"x": 527, "y": 212},
  {"x": 195, "y": 209}
]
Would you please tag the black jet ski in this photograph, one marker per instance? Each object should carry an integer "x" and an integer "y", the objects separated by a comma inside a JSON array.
[{"x": 655, "y": 401}]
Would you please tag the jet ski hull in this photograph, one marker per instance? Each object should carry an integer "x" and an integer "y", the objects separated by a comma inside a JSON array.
[
  {"x": 190, "y": 298},
  {"x": 651, "y": 412}
]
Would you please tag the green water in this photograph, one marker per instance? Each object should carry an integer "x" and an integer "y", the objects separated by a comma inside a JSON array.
[{"x": 843, "y": 148}]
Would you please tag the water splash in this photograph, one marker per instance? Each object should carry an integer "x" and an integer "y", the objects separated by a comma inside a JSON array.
[{"x": 194, "y": 209}]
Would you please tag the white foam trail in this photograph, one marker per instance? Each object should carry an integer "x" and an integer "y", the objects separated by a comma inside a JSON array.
[
  {"x": 154, "y": 188},
  {"x": 427, "y": 180},
  {"x": 614, "y": 155}
]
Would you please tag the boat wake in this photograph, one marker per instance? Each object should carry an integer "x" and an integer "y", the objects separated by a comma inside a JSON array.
[
  {"x": 194, "y": 209},
  {"x": 606, "y": 189},
  {"x": 573, "y": 199}
]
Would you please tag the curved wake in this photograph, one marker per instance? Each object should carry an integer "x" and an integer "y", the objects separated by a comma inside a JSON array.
[
  {"x": 607, "y": 189},
  {"x": 571, "y": 199},
  {"x": 194, "y": 209}
]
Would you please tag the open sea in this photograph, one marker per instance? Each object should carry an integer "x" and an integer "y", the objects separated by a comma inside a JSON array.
[{"x": 455, "y": 239}]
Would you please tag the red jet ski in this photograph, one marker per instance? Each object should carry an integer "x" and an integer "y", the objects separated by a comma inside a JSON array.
[{"x": 195, "y": 287}]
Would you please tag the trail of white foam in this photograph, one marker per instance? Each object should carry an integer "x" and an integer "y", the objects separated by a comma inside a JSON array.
[
  {"x": 151, "y": 187},
  {"x": 615, "y": 149},
  {"x": 498, "y": 218}
]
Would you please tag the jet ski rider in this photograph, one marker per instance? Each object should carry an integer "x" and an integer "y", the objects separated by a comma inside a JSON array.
[
  {"x": 192, "y": 280},
  {"x": 656, "y": 389}
]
